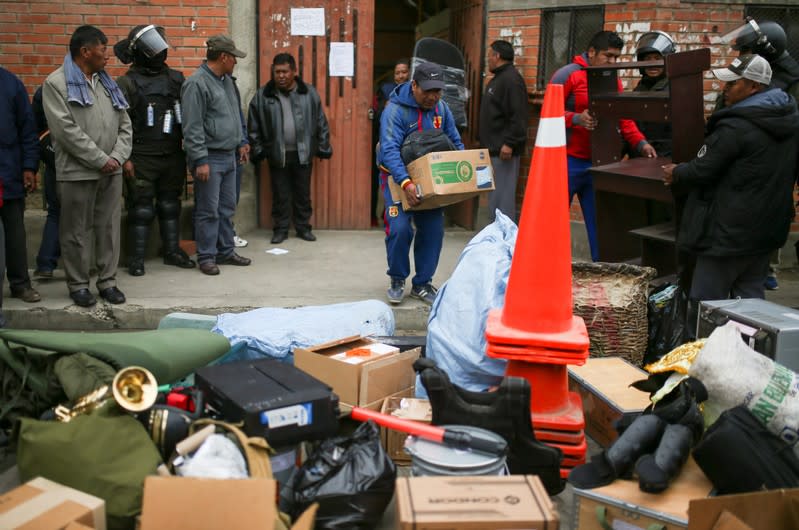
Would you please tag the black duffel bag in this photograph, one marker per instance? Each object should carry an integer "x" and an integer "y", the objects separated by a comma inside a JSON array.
[{"x": 739, "y": 454}]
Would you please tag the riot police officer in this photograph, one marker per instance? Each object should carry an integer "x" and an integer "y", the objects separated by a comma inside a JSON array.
[{"x": 156, "y": 171}]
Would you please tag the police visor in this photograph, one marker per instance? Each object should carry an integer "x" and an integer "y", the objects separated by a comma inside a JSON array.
[
  {"x": 149, "y": 41},
  {"x": 745, "y": 35}
]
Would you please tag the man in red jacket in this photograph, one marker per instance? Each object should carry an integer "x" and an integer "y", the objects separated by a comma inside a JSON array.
[{"x": 604, "y": 48}]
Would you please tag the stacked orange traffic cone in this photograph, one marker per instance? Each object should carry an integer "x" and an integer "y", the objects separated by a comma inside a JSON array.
[{"x": 536, "y": 329}]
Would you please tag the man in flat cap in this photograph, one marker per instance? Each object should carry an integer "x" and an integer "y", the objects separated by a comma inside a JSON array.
[
  {"x": 740, "y": 185},
  {"x": 413, "y": 107},
  {"x": 214, "y": 141}
]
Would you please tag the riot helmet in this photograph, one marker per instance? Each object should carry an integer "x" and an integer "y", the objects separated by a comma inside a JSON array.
[
  {"x": 766, "y": 38},
  {"x": 654, "y": 42},
  {"x": 145, "y": 44}
]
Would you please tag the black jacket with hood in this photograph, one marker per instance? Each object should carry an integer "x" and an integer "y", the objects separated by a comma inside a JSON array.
[
  {"x": 741, "y": 182},
  {"x": 265, "y": 125}
]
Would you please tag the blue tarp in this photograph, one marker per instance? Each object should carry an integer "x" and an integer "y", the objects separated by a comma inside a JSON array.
[
  {"x": 274, "y": 333},
  {"x": 456, "y": 327}
]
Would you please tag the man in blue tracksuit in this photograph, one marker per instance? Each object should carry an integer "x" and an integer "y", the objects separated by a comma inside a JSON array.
[{"x": 413, "y": 106}]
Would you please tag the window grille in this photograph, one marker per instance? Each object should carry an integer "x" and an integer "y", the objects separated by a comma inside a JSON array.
[{"x": 565, "y": 32}]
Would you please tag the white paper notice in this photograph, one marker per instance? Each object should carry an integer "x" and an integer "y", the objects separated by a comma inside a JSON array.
[
  {"x": 308, "y": 21},
  {"x": 342, "y": 59}
]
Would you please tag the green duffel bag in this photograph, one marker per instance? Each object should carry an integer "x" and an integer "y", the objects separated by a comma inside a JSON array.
[{"x": 106, "y": 453}]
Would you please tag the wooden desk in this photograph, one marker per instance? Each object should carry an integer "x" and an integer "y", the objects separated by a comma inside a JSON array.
[{"x": 631, "y": 195}]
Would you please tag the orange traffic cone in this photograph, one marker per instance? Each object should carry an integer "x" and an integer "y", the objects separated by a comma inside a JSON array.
[
  {"x": 536, "y": 329},
  {"x": 538, "y": 300}
]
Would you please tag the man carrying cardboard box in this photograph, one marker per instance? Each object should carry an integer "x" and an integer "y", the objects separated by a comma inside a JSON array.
[{"x": 413, "y": 106}]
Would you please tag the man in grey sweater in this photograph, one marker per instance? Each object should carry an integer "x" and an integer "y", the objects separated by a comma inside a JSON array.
[
  {"x": 92, "y": 136},
  {"x": 214, "y": 145}
]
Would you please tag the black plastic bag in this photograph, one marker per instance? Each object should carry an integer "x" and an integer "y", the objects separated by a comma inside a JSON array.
[
  {"x": 419, "y": 143},
  {"x": 667, "y": 315},
  {"x": 739, "y": 454},
  {"x": 351, "y": 477}
]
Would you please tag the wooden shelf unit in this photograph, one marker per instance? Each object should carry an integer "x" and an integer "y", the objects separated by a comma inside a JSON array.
[{"x": 630, "y": 194}]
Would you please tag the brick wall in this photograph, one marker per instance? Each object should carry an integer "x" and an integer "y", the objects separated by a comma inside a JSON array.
[
  {"x": 35, "y": 34},
  {"x": 691, "y": 25}
]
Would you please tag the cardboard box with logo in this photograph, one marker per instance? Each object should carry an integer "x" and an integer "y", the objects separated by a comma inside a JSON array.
[
  {"x": 360, "y": 378},
  {"x": 482, "y": 502},
  {"x": 212, "y": 504},
  {"x": 447, "y": 177},
  {"x": 622, "y": 504},
  {"x": 408, "y": 409},
  {"x": 42, "y": 504},
  {"x": 603, "y": 383}
]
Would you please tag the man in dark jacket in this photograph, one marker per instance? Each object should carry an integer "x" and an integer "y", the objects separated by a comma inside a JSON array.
[
  {"x": 503, "y": 126},
  {"x": 413, "y": 107},
  {"x": 287, "y": 128},
  {"x": 740, "y": 204},
  {"x": 19, "y": 162},
  {"x": 156, "y": 170}
]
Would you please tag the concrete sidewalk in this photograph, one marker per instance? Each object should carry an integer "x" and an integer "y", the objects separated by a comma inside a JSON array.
[{"x": 341, "y": 266}]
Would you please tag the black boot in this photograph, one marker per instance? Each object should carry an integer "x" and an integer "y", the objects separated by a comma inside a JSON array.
[
  {"x": 617, "y": 461},
  {"x": 169, "y": 223},
  {"x": 655, "y": 471},
  {"x": 139, "y": 218}
]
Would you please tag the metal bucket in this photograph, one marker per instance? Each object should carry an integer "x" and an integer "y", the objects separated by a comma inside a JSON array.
[{"x": 435, "y": 459}]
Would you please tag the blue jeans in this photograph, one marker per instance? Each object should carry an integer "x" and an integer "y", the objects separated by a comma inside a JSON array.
[
  {"x": 214, "y": 207},
  {"x": 428, "y": 238},
  {"x": 50, "y": 248},
  {"x": 2, "y": 269},
  {"x": 581, "y": 183}
]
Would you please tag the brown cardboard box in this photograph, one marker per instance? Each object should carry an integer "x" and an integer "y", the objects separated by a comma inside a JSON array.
[
  {"x": 42, "y": 504},
  {"x": 464, "y": 503},
  {"x": 410, "y": 409},
  {"x": 603, "y": 383},
  {"x": 762, "y": 510},
  {"x": 447, "y": 177},
  {"x": 213, "y": 504},
  {"x": 624, "y": 505},
  {"x": 362, "y": 384}
]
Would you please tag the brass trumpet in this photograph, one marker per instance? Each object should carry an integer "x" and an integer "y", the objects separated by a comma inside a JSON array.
[{"x": 134, "y": 389}]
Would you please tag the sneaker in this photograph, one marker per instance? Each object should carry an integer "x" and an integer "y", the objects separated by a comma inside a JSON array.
[
  {"x": 425, "y": 292},
  {"x": 771, "y": 283},
  {"x": 239, "y": 242},
  {"x": 396, "y": 292}
]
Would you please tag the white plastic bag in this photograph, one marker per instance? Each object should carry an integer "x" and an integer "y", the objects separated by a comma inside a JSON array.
[
  {"x": 217, "y": 457},
  {"x": 735, "y": 374}
]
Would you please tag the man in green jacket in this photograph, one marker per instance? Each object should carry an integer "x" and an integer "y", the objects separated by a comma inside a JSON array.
[
  {"x": 92, "y": 136},
  {"x": 214, "y": 141}
]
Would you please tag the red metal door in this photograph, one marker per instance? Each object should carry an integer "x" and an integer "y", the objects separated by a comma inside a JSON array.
[{"x": 340, "y": 187}]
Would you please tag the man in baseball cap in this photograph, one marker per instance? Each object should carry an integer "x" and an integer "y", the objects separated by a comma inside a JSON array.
[
  {"x": 428, "y": 76},
  {"x": 752, "y": 68},
  {"x": 223, "y": 43},
  {"x": 739, "y": 187}
]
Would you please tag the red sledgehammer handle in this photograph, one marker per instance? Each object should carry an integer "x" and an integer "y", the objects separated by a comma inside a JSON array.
[{"x": 452, "y": 436}]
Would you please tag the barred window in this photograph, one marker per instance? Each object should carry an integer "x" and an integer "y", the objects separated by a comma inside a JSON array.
[
  {"x": 785, "y": 16},
  {"x": 565, "y": 32}
]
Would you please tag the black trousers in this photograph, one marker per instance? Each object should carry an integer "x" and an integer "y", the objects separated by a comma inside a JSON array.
[
  {"x": 13, "y": 214},
  {"x": 291, "y": 194}
]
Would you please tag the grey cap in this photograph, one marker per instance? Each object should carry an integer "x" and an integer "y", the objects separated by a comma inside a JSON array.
[
  {"x": 429, "y": 76},
  {"x": 752, "y": 67},
  {"x": 223, "y": 43}
]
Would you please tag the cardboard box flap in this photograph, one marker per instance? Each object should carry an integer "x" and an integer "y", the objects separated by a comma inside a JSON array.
[
  {"x": 211, "y": 504},
  {"x": 762, "y": 510},
  {"x": 338, "y": 342},
  {"x": 382, "y": 377},
  {"x": 42, "y": 503}
]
